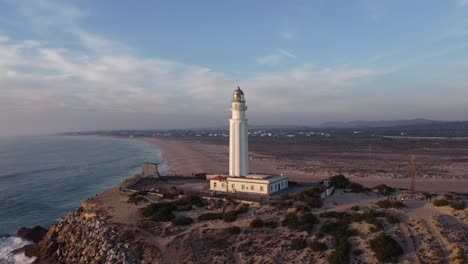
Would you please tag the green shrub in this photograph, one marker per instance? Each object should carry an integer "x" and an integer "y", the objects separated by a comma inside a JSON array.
[
  {"x": 355, "y": 187},
  {"x": 390, "y": 204},
  {"x": 318, "y": 246},
  {"x": 163, "y": 215},
  {"x": 210, "y": 216},
  {"x": 243, "y": 209},
  {"x": 392, "y": 219},
  {"x": 307, "y": 222},
  {"x": 302, "y": 208},
  {"x": 386, "y": 249},
  {"x": 158, "y": 212},
  {"x": 201, "y": 176},
  {"x": 311, "y": 197},
  {"x": 441, "y": 202},
  {"x": 291, "y": 221},
  {"x": 182, "y": 220},
  {"x": 136, "y": 197},
  {"x": 339, "y": 181},
  {"x": 298, "y": 243},
  {"x": 271, "y": 224},
  {"x": 384, "y": 189},
  {"x": 257, "y": 223},
  {"x": 377, "y": 224},
  {"x": 336, "y": 215},
  {"x": 457, "y": 205},
  {"x": 233, "y": 230},
  {"x": 230, "y": 216},
  {"x": 448, "y": 197},
  {"x": 193, "y": 200},
  {"x": 358, "y": 252},
  {"x": 341, "y": 253}
]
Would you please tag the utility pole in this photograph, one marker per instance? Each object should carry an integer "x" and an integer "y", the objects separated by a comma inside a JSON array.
[{"x": 412, "y": 174}]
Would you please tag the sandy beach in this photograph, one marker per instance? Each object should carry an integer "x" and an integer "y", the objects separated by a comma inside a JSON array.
[{"x": 188, "y": 156}]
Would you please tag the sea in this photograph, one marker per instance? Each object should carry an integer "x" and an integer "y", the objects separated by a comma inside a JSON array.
[{"x": 42, "y": 178}]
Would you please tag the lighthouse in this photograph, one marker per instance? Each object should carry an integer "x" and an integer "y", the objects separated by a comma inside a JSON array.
[
  {"x": 240, "y": 179},
  {"x": 238, "y": 136}
]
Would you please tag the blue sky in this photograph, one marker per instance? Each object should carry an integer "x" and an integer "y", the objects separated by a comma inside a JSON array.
[{"x": 80, "y": 65}]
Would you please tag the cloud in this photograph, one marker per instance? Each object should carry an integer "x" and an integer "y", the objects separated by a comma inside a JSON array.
[
  {"x": 102, "y": 83},
  {"x": 275, "y": 58}
]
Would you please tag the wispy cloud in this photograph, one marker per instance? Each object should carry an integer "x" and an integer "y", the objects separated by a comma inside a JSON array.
[
  {"x": 275, "y": 58},
  {"x": 104, "y": 80},
  {"x": 463, "y": 2}
]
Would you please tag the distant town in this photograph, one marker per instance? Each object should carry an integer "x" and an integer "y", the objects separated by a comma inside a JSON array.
[{"x": 304, "y": 133}]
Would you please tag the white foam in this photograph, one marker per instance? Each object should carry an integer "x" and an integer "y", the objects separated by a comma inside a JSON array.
[{"x": 7, "y": 245}]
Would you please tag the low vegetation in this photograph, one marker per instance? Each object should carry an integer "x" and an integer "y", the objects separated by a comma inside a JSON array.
[
  {"x": 340, "y": 232},
  {"x": 135, "y": 197},
  {"x": 298, "y": 244},
  {"x": 304, "y": 222},
  {"x": 201, "y": 176},
  {"x": 457, "y": 205},
  {"x": 440, "y": 202},
  {"x": 311, "y": 197},
  {"x": 233, "y": 230},
  {"x": 384, "y": 189},
  {"x": 390, "y": 204},
  {"x": 318, "y": 246},
  {"x": 159, "y": 212},
  {"x": 271, "y": 224},
  {"x": 386, "y": 249},
  {"x": 257, "y": 223},
  {"x": 210, "y": 216},
  {"x": 182, "y": 220},
  {"x": 341, "y": 182},
  {"x": 163, "y": 211},
  {"x": 228, "y": 216}
]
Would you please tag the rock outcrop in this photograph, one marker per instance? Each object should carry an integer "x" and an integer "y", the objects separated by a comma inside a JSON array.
[
  {"x": 86, "y": 237},
  {"x": 34, "y": 234}
]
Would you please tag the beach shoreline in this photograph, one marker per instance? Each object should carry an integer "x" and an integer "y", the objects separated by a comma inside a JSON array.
[{"x": 186, "y": 157}]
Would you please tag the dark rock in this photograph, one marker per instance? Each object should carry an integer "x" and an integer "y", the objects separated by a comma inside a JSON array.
[{"x": 32, "y": 234}]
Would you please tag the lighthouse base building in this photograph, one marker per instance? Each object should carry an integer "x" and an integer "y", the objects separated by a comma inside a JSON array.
[{"x": 239, "y": 178}]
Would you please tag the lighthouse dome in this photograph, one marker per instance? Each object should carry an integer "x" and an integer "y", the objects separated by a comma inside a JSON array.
[{"x": 238, "y": 95}]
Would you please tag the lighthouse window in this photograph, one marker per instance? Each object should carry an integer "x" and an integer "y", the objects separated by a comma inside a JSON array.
[
  {"x": 252, "y": 188},
  {"x": 214, "y": 184}
]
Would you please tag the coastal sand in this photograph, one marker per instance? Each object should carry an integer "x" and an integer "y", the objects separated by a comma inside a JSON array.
[{"x": 187, "y": 157}]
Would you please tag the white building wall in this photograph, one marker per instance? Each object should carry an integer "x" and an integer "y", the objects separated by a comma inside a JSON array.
[
  {"x": 248, "y": 187},
  {"x": 219, "y": 186},
  {"x": 278, "y": 185},
  {"x": 238, "y": 141}
]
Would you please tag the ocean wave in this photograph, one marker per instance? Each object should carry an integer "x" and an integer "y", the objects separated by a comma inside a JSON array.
[{"x": 7, "y": 245}]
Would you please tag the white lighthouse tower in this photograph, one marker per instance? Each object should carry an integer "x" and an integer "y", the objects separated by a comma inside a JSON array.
[
  {"x": 238, "y": 136},
  {"x": 239, "y": 178}
]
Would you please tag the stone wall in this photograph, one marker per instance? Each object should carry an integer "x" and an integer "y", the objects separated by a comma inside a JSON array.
[{"x": 150, "y": 170}]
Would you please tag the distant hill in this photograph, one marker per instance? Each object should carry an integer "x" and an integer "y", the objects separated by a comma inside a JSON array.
[{"x": 382, "y": 123}]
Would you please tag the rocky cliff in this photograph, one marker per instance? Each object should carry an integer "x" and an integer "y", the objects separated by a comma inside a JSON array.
[{"x": 86, "y": 236}]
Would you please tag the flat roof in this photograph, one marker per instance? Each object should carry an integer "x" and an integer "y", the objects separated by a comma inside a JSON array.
[{"x": 249, "y": 178}]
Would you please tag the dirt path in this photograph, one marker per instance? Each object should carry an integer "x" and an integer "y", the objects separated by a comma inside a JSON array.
[{"x": 440, "y": 239}]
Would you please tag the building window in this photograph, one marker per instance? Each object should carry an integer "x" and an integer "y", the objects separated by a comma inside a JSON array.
[
  {"x": 271, "y": 188},
  {"x": 222, "y": 184},
  {"x": 232, "y": 186},
  {"x": 214, "y": 184},
  {"x": 252, "y": 188},
  {"x": 242, "y": 187},
  {"x": 261, "y": 188}
]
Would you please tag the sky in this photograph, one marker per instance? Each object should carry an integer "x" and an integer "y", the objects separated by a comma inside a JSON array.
[{"x": 92, "y": 65}]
